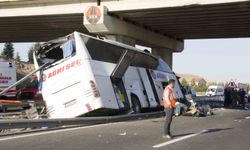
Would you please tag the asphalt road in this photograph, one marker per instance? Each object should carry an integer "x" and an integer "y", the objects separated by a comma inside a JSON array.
[{"x": 228, "y": 130}]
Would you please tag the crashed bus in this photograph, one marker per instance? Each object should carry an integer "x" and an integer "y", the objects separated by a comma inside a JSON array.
[{"x": 86, "y": 75}]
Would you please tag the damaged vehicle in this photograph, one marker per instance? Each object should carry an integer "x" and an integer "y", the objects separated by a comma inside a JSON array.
[{"x": 86, "y": 75}]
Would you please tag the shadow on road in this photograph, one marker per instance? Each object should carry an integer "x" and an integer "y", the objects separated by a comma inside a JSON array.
[{"x": 209, "y": 131}]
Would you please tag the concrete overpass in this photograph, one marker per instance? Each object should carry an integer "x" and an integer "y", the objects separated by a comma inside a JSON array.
[{"x": 161, "y": 24}]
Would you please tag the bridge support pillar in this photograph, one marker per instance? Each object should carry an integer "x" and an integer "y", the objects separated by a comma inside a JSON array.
[
  {"x": 98, "y": 21},
  {"x": 165, "y": 54}
]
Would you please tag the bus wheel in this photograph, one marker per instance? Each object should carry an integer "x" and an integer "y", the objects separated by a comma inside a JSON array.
[{"x": 136, "y": 106}]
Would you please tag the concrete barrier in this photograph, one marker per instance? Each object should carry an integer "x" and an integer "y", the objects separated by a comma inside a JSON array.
[{"x": 213, "y": 101}]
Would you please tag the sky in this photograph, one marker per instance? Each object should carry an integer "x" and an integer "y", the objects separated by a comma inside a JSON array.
[
  {"x": 218, "y": 60},
  {"x": 215, "y": 59},
  {"x": 22, "y": 48}
]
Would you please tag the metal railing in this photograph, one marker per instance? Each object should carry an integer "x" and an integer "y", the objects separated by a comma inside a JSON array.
[
  {"x": 50, "y": 123},
  {"x": 23, "y": 79},
  {"x": 213, "y": 101},
  {"x": 209, "y": 98}
]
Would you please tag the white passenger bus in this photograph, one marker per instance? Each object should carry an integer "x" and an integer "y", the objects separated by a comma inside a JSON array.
[
  {"x": 7, "y": 78},
  {"x": 88, "y": 76}
]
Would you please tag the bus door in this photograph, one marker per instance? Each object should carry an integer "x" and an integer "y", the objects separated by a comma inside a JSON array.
[
  {"x": 158, "y": 86},
  {"x": 116, "y": 78},
  {"x": 149, "y": 87}
]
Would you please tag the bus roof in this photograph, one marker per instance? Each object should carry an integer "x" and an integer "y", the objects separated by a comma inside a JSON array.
[{"x": 141, "y": 58}]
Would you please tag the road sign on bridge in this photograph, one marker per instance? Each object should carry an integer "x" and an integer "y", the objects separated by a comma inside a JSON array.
[{"x": 93, "y": 14}]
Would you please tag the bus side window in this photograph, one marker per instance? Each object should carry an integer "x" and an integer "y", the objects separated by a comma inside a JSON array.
[{"x": 102, "y": 51}]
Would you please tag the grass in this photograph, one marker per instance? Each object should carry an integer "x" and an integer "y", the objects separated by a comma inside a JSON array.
[{"x": 200, "y": 93}]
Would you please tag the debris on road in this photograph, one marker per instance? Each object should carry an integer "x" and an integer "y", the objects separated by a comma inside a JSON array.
[
  {"x": 205, "y": 110},
  {"x": 180, "y": 108},
  {"x": 99, "y": 135},
  {"x": 124, "y": 133},
  {"x": 196, "y": 110}
]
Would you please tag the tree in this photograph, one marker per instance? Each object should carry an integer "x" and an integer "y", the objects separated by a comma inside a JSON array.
[
  {"x": 221, "y": 84},
  {"x": 33, "y": 48},
  {"x": 212, "y": 83},
  {"x": 202, "y": 86},
  {"x": 18, "y": 56},
  {"x": 218, "y": 83},
  {"x": 8, "y": 50},
  {"x": 184, "y": 82},
  {"x": 192, "y": 83}
]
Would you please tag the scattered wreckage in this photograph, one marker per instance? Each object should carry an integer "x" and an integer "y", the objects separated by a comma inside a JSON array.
[{"x": 200, "y": 106}]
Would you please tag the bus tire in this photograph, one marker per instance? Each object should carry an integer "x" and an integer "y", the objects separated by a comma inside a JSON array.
[{"x": 136, "y": 106}]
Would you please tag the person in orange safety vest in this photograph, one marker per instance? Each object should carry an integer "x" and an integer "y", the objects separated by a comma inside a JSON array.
[{"x": 169, "y": 106}]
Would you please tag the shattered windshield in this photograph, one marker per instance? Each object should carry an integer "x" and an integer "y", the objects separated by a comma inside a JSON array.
[{"x": 56, "y": 50}]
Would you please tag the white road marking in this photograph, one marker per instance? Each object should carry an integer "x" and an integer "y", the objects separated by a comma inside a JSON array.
[
  {"x": 179, "y": 139},
  {"x": 247, "y": 117},
  {"x": 50, "y": 132}
]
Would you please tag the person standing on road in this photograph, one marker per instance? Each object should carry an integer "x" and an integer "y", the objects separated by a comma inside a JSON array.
[
  {"x": 169, "y": 106},
  {"x": 242, "y": 97}
]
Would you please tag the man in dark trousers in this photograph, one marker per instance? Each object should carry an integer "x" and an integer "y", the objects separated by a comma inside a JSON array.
[
  {"x": 242, "y": 97},
  {"x": 169, "y": 106}
]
